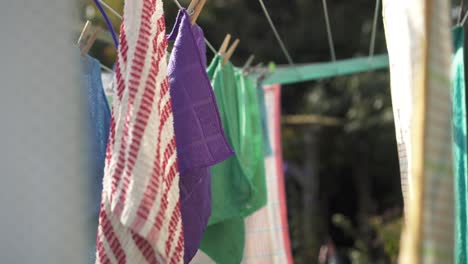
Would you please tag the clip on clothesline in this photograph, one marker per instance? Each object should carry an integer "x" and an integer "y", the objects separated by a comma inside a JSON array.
[
  {"x": 198, "y": 4},
  {"x": 195, "y": 9},
  {"x": 230, "y": 51},
  {"x": 225, "y": 44},
  {"x": 226, "y": 52},
  {"x": 380, "y": 62}
]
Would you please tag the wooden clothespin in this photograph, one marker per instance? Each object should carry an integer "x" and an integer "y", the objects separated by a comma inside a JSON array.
[
  {"x": 230, "y": 51},
  {"x": 89, "y": 43},
  {"x": 224, "y": 46},
  {"x": 195, "y": 9}
]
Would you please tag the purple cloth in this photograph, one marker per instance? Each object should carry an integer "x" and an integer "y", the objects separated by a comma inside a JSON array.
[{"x": 200, "y": 138}]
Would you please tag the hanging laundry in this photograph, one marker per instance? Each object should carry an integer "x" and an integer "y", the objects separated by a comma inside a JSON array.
[
  {"x": 459, "y": 127},
  {"x": 263, "y": 113},
  {"x": 99, "y": 120},
  {"x": 140, "y": 219},
  {"x": 402, "y": 75},
  {"x": 266, "y": 231},
  {"x": 108, "y": 84},
  {"x": 199, "y": 133},
  {"x": 252, "y": 140},
  {"x": 223, "y": 243},
  {"x": 233, "y": 184},
  {"x": 238, "y": 184},
  {"x": 231, "y": 188},
  {"x": 98, "y": 127},
  {"x": 419, "y": 45}
]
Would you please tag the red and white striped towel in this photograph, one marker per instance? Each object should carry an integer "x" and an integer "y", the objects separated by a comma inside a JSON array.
[{"x": 140, "y": 220}]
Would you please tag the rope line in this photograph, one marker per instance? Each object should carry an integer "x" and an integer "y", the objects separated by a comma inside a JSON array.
[
  {"x": 104, "y": 67},
  {"x": 329, "y": 33},
  {"x": 460, "y": 13},
  {"x": 210, "y": 46},
  {"x": 111, "y": 9},
  {"x": 374, "y": 29},
  {"x": 464, "y": 19},
  {"x": 278, "y": 38},
  {"x": 178, "y": 4}
]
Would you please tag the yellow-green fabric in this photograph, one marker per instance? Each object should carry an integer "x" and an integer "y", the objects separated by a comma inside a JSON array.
[
  {"x": 238, "y": 186},
  {"x": 459, "y": 127}
]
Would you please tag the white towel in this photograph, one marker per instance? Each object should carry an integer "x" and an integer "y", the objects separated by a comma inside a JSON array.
[
  {"x": 140, "y": 219},
  {"x": 419, "y": 43}
]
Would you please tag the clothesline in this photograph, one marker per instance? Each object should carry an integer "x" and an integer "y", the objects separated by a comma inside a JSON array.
[
  {"x": 374, "y": 28},
  {"x": 329, "y": 33},
  {"x": 294, "y": 73},
  {"x": 111, "y": 9},
  {"x": 182, "y": 183},
  {"x": 275, "y": 31},
  {"x": 210, "y": 46},
  {"x": 106, "y": 68}
]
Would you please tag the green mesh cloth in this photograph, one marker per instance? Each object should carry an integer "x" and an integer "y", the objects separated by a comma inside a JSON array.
[
  {"x": 459, "y": 126},
  {"x": 238, "y": 184}
]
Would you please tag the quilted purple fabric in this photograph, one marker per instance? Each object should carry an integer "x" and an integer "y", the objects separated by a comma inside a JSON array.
[{"x": 200, "y": 138}]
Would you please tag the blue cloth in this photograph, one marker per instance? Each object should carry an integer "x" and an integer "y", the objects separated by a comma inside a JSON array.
[
  {"x": 263, "y": 113},
  {"x": 98, "y": 129},
  {"x": 99, "y": 122}
]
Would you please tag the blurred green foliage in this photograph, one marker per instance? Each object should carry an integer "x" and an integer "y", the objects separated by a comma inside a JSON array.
[{"x": 388, "y": 229}]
